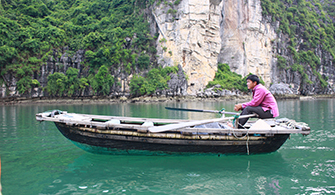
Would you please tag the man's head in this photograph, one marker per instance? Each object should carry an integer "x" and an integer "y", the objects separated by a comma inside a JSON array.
[{"x": 252, "y": 81}]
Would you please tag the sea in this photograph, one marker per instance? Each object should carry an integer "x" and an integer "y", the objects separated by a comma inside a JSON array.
[{"x": 37, "y": 159}]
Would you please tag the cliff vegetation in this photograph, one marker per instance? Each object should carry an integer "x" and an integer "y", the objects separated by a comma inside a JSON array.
[
  {"x": 309, "y": 26},
  {"x": 103, "y": 42}
]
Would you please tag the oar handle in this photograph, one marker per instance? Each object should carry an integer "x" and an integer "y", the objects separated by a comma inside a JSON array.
[
  {"x": 191, "y": 110},
  {"x": 198, "y": 110},
  {"x": 233, "y": 113}
]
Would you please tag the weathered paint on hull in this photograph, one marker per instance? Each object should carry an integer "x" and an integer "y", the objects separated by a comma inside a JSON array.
[{"x": 121, "y": 144}]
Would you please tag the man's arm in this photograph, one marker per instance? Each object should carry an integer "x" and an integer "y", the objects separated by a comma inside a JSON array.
[{"x": 257, "y": 99}]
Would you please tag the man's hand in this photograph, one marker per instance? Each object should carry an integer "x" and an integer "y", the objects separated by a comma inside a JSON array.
[{"x": 238, "y": 107}]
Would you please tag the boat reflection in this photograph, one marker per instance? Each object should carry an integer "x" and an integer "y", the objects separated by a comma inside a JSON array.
[{"x": 90, "y": 173}]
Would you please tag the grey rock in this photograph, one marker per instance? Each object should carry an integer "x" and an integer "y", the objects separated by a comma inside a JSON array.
[{"x": 281, "y": 89}]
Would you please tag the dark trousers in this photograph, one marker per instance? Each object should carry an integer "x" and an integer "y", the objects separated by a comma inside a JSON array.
[{"x": 251, "y": 110}]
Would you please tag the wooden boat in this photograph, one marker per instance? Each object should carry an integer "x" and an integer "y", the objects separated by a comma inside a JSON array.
[{"x": 130, "y": 135}]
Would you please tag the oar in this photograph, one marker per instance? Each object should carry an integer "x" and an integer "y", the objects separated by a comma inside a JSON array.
[
  {"x": 192, "y": 123},
  {"x": 198, "y": 110}
]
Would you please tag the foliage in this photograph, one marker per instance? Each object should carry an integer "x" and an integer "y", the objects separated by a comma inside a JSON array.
[
  {"x": 72, "y": 81},
  {"x": 281, "y": 62},
  {"x": 56, "y": 85},
  {"x": 113, "y": 33},
  {"x": 144, "y": 61},
  {"x": 138, "y": 85},
  {"x": 68, "y": 84},
  {"x": 83, "y": 83},
  {"x": 177, "y": 2},
  {"x": 310, "y": 27},
  {"x": 25, "y": 82},
  {"x": 227, "y": 79},
  {"x": 156, "y": 79},
  {"x": 102, "y": 81}
]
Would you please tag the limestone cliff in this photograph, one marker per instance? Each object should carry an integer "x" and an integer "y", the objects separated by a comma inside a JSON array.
[
  {"x": 191, "y": 38},
  {"x": 205, "y": 32},
  {"x": 246, "y": 39},
  {"x": 202, "y": 33}
]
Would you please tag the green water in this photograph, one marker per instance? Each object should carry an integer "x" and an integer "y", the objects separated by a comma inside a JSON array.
[{"x": 37, "y": 159}]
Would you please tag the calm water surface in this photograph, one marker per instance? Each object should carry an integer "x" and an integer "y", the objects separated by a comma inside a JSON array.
[{"x": 37, "y": 159}]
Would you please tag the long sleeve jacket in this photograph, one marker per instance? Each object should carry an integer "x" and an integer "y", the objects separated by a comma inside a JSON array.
[{"x": 263, "y": 97}]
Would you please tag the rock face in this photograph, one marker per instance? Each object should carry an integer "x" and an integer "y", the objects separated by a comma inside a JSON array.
[
  {"x": 295, "y": 79},
  {"x": 59, "y": 61},
  {"x": 280, "y": 89},
  {"x": 216, "y": 91},
  {"x": 246, "y": 39},
  {"x": 190, "y": 37},
  {"x": 199, "y": 34},
  {"x": 204, "y": 33},
  {"x": 177, "y": 83}
]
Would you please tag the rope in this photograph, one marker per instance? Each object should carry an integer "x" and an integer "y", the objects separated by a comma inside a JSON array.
[
  {"x": 235, "y": 117},
  {"x": 222, "y": 110},
  {"x": 247, "y": 143},
  {"x": 247, "y": 134}
]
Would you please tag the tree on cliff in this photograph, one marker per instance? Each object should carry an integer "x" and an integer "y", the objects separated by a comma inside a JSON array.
[
  {"x": 155, "y": 80},
  {"x": 102, "y": 81}
]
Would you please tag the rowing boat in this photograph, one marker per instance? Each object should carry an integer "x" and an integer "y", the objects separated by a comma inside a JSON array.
[{"x": 130, "y": 135}]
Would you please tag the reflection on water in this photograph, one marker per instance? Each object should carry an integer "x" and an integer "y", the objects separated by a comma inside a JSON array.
[
  {"x": 38, "y": 159},
  {"x": 173, "y": 174}
]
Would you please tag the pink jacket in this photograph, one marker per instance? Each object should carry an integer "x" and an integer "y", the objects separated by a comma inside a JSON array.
[{"x": 263, "y": 97}]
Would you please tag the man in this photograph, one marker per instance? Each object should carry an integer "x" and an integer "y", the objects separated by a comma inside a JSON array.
[{"x": 263, "y": 103}]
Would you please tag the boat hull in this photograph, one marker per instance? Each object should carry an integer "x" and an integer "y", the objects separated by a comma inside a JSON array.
[{"x": 96, "y": 141}]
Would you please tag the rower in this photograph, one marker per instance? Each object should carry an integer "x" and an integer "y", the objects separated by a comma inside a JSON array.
[{"x": 263, "y": 102}]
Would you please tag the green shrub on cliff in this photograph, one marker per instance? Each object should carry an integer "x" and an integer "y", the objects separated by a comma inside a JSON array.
[
  {"x": 156, "y": 79},
  {"x": 68, "y": 84},
  {"x": 102, "y": 81},
  {"x": 281, "y": 62},
  {"x": 138, "y": 85},
  {"x": 229, "y": 80},
  {"x": 56, "y": 84},
  {"x": 72, "y": 81},
  {"x": 226, "y": 79}
]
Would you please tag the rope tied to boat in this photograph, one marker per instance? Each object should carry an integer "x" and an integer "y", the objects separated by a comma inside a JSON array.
[
  {"x": 247, "y": 143},
  {"x": 235, "y": 117},
  {"x": 222, "y": 110},
  {"x": 246, "y": 135}
]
